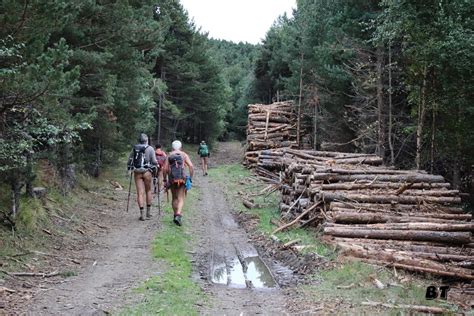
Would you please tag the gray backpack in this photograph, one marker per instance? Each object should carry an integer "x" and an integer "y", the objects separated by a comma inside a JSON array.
[{"x": 140, "y": 163}]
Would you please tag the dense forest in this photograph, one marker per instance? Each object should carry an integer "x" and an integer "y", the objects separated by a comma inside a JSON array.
[
  {"x": 391, "y": 77},
  {"x": 80, "y": 80}
]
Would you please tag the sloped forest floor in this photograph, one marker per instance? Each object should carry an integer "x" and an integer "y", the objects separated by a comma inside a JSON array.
[
  {"x": 91, "y": 251},
  {"x": 98, "y": 259}
]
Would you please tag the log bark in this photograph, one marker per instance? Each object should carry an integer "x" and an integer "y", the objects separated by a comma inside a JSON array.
[
  {"x": 419, "y": 235},
  {"x": 435, "y": 227},
  {"x": 452, "y": 272},
  {"x": 328, "y": 196},
  {"x": 427, "y": 178},
  {"x": 393, "y": 258},
  {"x": 413, "y": 246},
  {"x": 427, "y": 208},
  {"x": 340, "y": 216}
]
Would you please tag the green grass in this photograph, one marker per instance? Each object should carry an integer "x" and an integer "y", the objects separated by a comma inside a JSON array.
[
  {"x": 324, "y": 287},
  {"x": 352, "y": 282},
  {"x": 172, "y": 292}
]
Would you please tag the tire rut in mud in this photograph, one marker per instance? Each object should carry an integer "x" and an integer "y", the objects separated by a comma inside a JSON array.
[{"x": 229, "y": 267}]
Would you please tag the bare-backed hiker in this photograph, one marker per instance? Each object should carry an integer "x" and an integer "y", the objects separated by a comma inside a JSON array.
[
  {"x": 177, "y": 180},
  {"x": 161, "y": 159},
  {"x": 143, "y": 162},
  {"x": 203, "y": 152}
]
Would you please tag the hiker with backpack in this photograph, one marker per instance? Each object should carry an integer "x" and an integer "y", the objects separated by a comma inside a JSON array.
[
  {"x": 161, "y": 159},
  {"x": 177, "y": 180},
  {"x": 203, "y": 152},
  {"x": 142, "y": 162}
]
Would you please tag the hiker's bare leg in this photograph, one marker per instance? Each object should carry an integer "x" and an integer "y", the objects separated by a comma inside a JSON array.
[
  {"x": 147, "y": 179},
  {"x": 178, "y": 194},
  {"x": 205, "y": 164},
  {"x": 140, "y": 189},
  {"x": 160, "y": 179}
]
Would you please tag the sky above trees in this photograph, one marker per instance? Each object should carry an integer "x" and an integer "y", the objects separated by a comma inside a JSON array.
[{"x": 232, "y": 20}]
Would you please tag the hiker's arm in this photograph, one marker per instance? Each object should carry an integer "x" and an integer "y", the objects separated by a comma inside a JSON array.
[
  {"x": 165, "y": 171},
  {"x": 152, "y": 157},
  {"x": 190, "y": 166},
  {"x": 130, "y": 161}
]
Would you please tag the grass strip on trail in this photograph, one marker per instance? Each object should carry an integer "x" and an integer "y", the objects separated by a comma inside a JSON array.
[{"x": 172, "y": 292}]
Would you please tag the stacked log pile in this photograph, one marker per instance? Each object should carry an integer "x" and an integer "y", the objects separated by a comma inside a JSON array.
[
  {"x": 269, "y": 126},
  {"x": 400, "y": 218}
]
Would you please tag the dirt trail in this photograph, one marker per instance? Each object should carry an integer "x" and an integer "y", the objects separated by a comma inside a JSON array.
[
  {"x": 116, "y": 260},
  {"x": 224, "y": 253},
  {"x": 119, "y": 261}
]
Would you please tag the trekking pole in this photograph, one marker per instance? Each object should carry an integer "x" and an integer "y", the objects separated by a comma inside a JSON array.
[
  {"x": 159, "y": 202},
  {"x": 129, "y": 190}
]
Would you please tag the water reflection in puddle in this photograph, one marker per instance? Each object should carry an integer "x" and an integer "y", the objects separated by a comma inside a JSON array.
[
  {"x": 232, "y": 273},
  {"x": 258, "y": 273}
]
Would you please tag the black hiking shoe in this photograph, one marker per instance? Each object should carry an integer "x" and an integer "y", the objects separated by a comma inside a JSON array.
[{"x": 177, "y": 220}]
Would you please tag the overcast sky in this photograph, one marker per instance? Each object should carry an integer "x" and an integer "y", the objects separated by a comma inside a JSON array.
[{"x": 237, "y": 20}]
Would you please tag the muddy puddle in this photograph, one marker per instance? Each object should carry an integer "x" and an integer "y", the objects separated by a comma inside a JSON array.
[{"x": 248, "y": 272}]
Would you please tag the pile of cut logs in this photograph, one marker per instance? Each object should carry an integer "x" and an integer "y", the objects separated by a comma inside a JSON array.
[
  {"x": 400, "y": 218},
  {"x": 269, "y": 126}
]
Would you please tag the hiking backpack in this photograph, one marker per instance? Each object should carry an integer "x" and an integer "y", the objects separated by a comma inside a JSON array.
[
  {"x": 160, "y": 157},
  {"x": 203, "y": 150},
  {"x": 176, "y": 171},
  {"x": 140, "y": 163}
]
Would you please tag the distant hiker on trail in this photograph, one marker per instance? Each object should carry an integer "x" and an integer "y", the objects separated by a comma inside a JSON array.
[
  {"x": 161, "y": 159},
  {"x": 142, "y": 162},
  {"x": 177, "y": 180},
  {"x": 203, "y": 152}
]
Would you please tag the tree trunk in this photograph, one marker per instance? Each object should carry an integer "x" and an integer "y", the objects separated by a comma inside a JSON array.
[
  {"x": 380, "y": 106},
  {"x": 390, "y": 110},
  {"x": 30, "y": 175},
  {"x": 16, "y": 191},
  {"x": 298, "y": 127},
  {"x": 421, "y": 119},
  {"x": 160, "y": 106},
  {"x": 433, "y": 120}
]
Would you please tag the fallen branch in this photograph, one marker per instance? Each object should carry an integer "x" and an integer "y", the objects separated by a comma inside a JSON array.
[
  {"x": 32, "y": 274},
  {"x": 47, "y": 231},
  {"x": 248, "y": 204},
  {"x": 418, "y": 308},
  {"x": 296, "y": 219},
  {"x": 5, "y": 289},
  {"x": 291, "y": 243}
]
